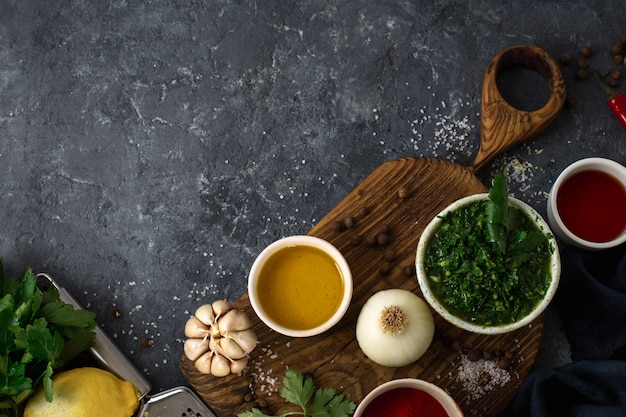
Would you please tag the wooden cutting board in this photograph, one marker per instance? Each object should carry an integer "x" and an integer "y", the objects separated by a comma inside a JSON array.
[
  {"x": 428, "y": 185},
  {"x": 334, "y": 358}
]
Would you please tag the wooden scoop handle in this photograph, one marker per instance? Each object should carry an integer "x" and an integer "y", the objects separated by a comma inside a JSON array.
[{"x": 503, "y": 125}]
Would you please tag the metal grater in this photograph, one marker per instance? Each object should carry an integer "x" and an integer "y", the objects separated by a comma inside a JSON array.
[{"x": 175, "y": 402}]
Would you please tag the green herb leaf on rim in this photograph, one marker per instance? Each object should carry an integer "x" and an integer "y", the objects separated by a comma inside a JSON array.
[{"x": 498, "y": 213}]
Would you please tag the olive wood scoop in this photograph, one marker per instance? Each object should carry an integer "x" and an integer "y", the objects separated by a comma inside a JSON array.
[{"x": 503, "y": 125}]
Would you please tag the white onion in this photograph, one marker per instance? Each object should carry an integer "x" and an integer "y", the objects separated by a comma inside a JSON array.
[{"x": 395, "y": 328}]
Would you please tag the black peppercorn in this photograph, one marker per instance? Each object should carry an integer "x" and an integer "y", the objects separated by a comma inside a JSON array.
[
  {"x": 403, "y": 192},
  {"x": 474, "y": 354},
  {"x": 586, "y": 51},
  {"x": 349, "y": 222},
  {"x": 385, "y": 269},
  {"x": 370, "y": 240},
  {"x": 408, "y": 270},
  {"x": 356, "y": 240},
  {"x": 456, "y": 345},
  {"x": 617, "y": 49},
  {"x": 504, "y": 363},
  {"x": 565, "y": 58},
  {"x": 144, "y": 342},
  {"x": 382, "y": 239},
  {"x": 337, "y": 226}
]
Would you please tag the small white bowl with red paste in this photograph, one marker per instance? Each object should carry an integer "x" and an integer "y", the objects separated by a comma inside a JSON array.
[
  {"x": 408, "y": 397},
  {"x": 587, "y": 204}
]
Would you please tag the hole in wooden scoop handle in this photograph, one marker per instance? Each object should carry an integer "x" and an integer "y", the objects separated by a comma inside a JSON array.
[{"x": 503, "y": 125}]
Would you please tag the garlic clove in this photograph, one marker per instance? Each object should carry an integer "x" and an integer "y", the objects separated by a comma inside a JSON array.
[
  {"x": 214, "y": 345},
  {"x": 221, "y": 307},
  {"x": 205, "y": 314},
  {"x": 233, "y": 321},
  {"x": 246, "y": 339},
  {"x": 230, "y": 349},
  {"x": 203, "y": 364},
  {"x": 220, "y": 366},
  {"x": 194, "y": 348},
  {"x": 238, "y": 365},
  {"x": 195, "y": 328}
]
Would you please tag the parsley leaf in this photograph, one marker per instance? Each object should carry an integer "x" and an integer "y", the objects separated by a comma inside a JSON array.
[
  {"x": 299, "y": 391},
  {"x": 38, "y": 334},
  {"x": 296, "y": 390}
]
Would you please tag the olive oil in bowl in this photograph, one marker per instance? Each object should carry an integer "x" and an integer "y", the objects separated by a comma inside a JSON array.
[{"x": 300, "y": 286}]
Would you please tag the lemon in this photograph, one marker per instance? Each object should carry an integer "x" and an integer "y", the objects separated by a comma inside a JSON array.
[{"x": 85, "y": 392}]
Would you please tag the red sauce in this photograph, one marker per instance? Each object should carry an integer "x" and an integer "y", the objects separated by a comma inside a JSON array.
[
  {"x": 592, "y": 205},
  {"x": 404, "y": 402}
]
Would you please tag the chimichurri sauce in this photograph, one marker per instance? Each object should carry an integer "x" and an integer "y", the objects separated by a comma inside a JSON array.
[{"x": 478, "y": 283}]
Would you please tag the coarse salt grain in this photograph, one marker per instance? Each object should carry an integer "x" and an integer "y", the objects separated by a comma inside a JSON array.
[{"x": 481, "y": 376}]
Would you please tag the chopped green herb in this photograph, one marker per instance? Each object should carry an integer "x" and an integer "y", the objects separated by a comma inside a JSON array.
[
  {"x": 488, "y": 262},
  {"x": 38, "y": 334},
  {"x": 323, "y": 402}
]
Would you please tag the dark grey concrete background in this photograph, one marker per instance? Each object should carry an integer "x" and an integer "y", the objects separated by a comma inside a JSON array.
[{"x": 150, "y": 149}]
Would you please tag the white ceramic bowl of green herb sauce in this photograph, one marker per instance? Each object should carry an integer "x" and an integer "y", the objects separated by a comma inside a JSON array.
[{"x": 485, "y": 277}]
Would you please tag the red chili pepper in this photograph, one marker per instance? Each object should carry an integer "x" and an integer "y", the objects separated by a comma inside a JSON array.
[{"x": 617, "y": 101}]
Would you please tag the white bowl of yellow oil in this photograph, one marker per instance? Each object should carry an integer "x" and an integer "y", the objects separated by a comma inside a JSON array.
[{"x": 300, "y": 286}]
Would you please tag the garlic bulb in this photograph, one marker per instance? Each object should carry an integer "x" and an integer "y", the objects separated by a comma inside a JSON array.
[
  {"x": 395, "y": 328},
  {"x": 220, "y": 339}
]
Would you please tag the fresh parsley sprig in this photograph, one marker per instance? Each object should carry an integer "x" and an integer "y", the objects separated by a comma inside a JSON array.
[
  {"x": 38, "y": 334},
  {"x": 322, "y": 402}
]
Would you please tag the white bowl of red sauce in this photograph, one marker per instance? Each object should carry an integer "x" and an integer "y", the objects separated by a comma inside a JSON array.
[
  {"x": 300, "y": 286},
  {"x": 408, "y": 397},
  {"x": 587, "y": 204}
]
